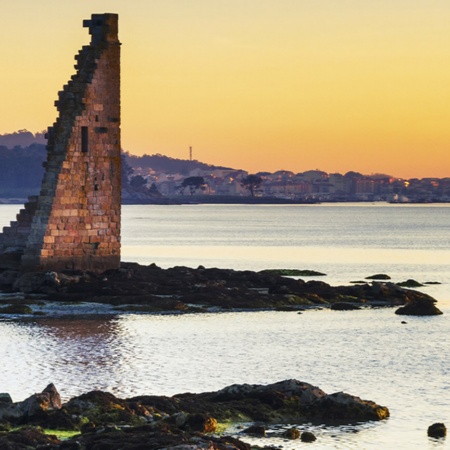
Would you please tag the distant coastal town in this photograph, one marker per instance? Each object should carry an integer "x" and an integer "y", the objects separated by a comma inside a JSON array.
[{"x": 161, "y": 179}]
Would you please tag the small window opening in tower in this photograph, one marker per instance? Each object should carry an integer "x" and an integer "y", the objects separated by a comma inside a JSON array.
[{"x": 84, "y": 139}]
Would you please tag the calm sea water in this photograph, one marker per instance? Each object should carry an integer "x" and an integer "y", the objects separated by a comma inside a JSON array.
[{"x": 366, "y": 353}]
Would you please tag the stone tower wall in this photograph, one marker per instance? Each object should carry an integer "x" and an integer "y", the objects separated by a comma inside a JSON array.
[{"x": 75, "y": 221}]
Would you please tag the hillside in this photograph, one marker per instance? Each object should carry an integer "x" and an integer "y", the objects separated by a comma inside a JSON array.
[
  {"x": 22, "y": 138},
  {"x": 22, "y": 154},
  {"x": 160, "y": 163},
  {"x": 21, "y": 170}
]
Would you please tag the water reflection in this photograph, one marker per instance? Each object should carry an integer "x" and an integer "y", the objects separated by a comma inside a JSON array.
[
  {"x": 366, "y": 353},
  {"x": 78, "y": 355}
]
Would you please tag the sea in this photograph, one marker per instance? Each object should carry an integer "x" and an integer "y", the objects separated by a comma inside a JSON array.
[{"x": 401, "y": 362}]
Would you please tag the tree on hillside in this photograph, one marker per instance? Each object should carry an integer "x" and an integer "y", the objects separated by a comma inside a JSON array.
[
  {"x": 21, "y": 170},
  {"x": 192, "y": 183},
  {"x": 251, "y": 182},
  {"x": 127, "y": 170},
  {"x": 153, "y": 190},
  {"x": 138, "y": 181}
]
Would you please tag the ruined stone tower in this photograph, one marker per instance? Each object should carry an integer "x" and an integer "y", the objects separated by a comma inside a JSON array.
[{"x": 74, "y": 223}]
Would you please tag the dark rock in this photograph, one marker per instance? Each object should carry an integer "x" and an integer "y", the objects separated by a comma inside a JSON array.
[
  {"x": 307, "y": 436},
  {"x": 5, "y": 398},
  {"x": 16, "y": 309},
  {"x": 5, "y": 427},
  {"x": 10, "y": 412},
  {"x": 342, "y": 407},
  {"x": 419, "y": 307},
  {"x": 48, "y": 400},
  {"x": 344, "y": 306},
  {"x": 410, "y": 284},
  {"x": 379, "y": 276},
  {"x": 183, "y": 289},
  {"x": 57, "y": 420},
  {"x": 27, "y": 438},
  {"x": 256, "y": 430},
  {"x": 207, "y": 425},
  {"x": 181, "y": 421},
  {"x": 150, "y": 437},
  {"x": 292, "y": 433},
  {"x": 103, "y": 407},
  {"x": 72, "y": 445},
  {"x": 305, "y": 393},
  {"x": 437, "y": 430},
  {"x": 37, "y": 282},
  {"x": 8, "y": 278},
  {"x": 293, "y": 272},
  {"x": 201, "y": 423}
]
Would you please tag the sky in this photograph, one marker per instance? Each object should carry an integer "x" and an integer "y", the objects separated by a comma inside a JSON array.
[{"x": 259, "y": 85}]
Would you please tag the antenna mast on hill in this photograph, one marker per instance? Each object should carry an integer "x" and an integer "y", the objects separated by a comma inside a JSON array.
[{"x": 190, "y": 153}]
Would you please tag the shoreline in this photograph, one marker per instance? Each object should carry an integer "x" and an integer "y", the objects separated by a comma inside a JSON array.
[{"x": 261, "y": 201}]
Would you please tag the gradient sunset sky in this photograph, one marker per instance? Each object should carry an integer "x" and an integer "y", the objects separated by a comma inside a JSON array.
[{"x": 260, "y": 85}]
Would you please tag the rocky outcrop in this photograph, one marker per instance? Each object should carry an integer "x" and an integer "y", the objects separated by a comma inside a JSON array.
[
  {"x": 181, "y": 421},
  {"x": 378, "y": 276},
  {"x": 48, "y": 400},
  {"x": 344, "y": 306},
  {"x": 307, "y": 436},
  {"x": 342, "y": 407},
  {"x": 134, "y": 287},
  {"x": 419, "y": 307}
]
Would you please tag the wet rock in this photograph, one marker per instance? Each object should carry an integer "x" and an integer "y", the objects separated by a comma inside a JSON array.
[
  {"x": 379, "y": 276},
  {"x": 344, "y": 306},
  {"x": 437, "y": 430},
  {"x": 293, "y": 272},
  {"x": 182, "y": 421},
  {"x": 410, "y": 284},
  {"x": 305, "y": 393},
  {"x": 27, "y": 438},
  {"x": 419, "y": 307},
  {"x": 21, "y": 412},
  {"x": 149, "y": 437},
  {"x": 37, "y": 282},
  {"x": 291, "y": 433},
  {"x": 256, "y": 430},
  {"x": 103, "y": 407},
  {"x": 16, "y": 309},
  {"x": 48, "y": 400},
  {"x": 307, "y": 436},
  {"x": 10, "y": 412},
  {"x": 5, "y": 398},
  {"x": 202, "y": 423},
  {"x": 342, "y": 407},
  {"x": 8, "y": 278},
  {"x": 183, "y": 289},
  {"x": 196, "y": 422}
]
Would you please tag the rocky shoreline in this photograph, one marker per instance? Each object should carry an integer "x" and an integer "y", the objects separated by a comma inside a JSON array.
[
  {"x": 99, "y": 420},
  {"x": 151, "y": 289}
]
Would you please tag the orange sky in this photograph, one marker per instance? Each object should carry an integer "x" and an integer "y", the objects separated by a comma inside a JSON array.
[{"x": 335, "y": 85}]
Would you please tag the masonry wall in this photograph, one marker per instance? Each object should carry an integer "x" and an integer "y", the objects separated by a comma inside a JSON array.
[{"x": 75, "y": 221}]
